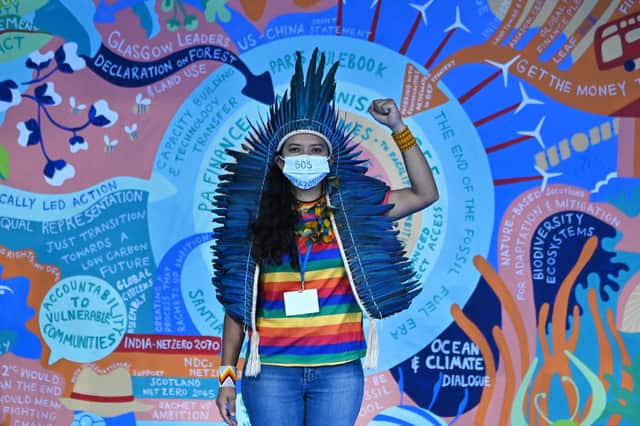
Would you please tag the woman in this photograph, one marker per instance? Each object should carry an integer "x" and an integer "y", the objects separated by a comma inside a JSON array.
[{"x": 312, "y": 262}]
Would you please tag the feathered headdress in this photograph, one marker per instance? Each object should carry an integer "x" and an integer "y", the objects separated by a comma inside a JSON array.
[{"x": 382, "y": 277}]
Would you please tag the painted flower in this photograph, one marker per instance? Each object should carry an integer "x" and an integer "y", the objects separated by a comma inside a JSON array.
[
  {"x": 39, "y": 61},
  {"x": 77, "y": 143},
  {"x": 68, "y": 59},
  {"x": 46, "y": 94},
  {"x": 9, "y": 95},
  {"x": 101, "y": 115},
  {"x": 29, "y": 132},
  {"x": 57, "y": 171}
]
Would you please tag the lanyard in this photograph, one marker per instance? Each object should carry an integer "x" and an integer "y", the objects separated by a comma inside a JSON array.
[{"x": 303, "y": 262}]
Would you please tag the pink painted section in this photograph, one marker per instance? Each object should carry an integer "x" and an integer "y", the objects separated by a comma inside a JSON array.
[
  {"x": 626, "y": 142},
  {"x": 129, "y": 157},
  {"x": 180, "y": 410},
  {"x": 380, "y": 392},
  {"x": 29, "y": 393}
]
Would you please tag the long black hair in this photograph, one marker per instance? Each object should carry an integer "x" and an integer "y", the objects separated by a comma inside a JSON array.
[{"x": 273, "y": 231}]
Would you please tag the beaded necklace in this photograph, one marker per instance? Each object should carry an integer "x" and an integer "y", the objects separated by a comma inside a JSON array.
[{"x": 318, "y": 229}]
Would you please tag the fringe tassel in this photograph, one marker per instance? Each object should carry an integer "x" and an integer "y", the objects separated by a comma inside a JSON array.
[
  {"x": 371, "y": 357},
  {"x": 253, "y": 361}
]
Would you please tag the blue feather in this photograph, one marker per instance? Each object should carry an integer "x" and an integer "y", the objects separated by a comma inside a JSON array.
[{"x": 383, "y": 275}]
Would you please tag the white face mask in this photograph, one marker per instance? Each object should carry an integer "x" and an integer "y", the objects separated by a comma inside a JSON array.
[{"x": 305, "y": 171}]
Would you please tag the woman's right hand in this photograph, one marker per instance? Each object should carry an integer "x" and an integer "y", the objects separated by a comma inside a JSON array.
[{"x": 226, "y": 403}]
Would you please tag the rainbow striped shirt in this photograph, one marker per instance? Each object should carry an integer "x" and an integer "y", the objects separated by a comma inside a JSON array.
[{"x": 331, "y": 336}]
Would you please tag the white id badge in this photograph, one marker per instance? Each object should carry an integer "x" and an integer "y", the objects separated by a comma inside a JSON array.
[{"x": 301, "y": 302}]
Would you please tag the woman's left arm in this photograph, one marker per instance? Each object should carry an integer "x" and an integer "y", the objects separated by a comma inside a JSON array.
[{"x": 423, "y": 190}]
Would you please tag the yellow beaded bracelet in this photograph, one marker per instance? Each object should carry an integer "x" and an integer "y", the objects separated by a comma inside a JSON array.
[{"x": 404, "y": 139}]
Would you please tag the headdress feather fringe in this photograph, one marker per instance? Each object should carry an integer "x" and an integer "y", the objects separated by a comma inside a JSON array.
[{"x": 383, "y": 277}]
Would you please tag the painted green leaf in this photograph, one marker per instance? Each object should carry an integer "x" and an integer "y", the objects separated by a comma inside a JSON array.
[
  {"x": 16, "y": 44},
  {"x": 213, "y": 8},
  {"x": 167, "y": 5},
  {"x": 4, "y": 163}
]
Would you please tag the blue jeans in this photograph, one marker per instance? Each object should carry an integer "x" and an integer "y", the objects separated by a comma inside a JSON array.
[{"x": 309, "y": 396}]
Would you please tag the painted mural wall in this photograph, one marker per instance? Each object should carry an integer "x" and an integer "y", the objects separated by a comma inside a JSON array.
[{"x": 115, "y": 116}]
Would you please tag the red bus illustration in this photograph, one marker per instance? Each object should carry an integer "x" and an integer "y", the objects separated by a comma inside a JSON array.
[{"x": 617, "y": 43}]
